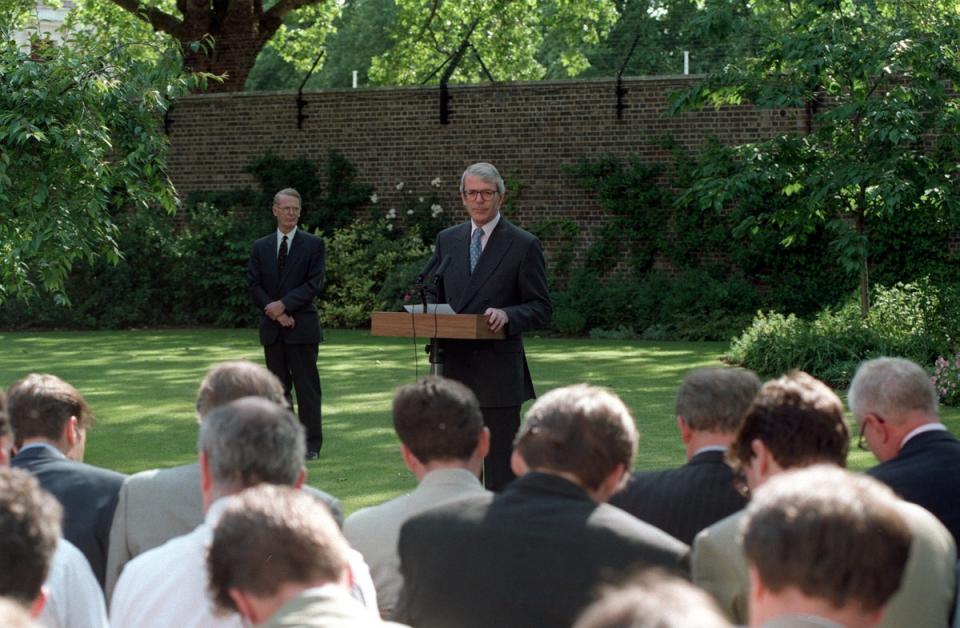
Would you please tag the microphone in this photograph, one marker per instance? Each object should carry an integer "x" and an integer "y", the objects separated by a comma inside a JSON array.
[
  {"x": 427, "y": 268},
  {"x": 438, "y": 275}
]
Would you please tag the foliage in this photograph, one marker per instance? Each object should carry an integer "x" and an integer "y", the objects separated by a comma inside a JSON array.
[
  {"x": 422, "y": 214},
  {"x": 946, "y": 379},
  {"x": 80, "y": 136},
  {"x": 359, "y": 259},
  {"x": 918, "y": 321},
  {"x": 877, "y": 85}
]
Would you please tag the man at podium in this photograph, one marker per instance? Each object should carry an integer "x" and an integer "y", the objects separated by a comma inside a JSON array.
[{"x": 495, "y": 269}]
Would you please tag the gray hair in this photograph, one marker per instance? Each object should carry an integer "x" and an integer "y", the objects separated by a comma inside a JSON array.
[
  {"x": 287, "y": 192},
  {"x": 484, "y": 171},
  {"x": 715, "y": 399},
  {"x": 234, "y": 379},
  {"x": 252, "y": 440},
  {"x": 891, "y": 388}
]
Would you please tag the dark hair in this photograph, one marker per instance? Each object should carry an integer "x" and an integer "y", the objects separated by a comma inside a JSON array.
[
  {"x": 799, "y": 419},
  {"x": 29, "y": 533},
  {"x": 714, "y": 399},
  {"x": 271, "y": 535},
  {"x": 41, "y": 404},
  {"x": 252, "y": 440},
  {"x": 437, "y": 419},
  {"x": 234, "y": 379},
  {"x": 581, "y": 429},
  {"x": 832, "y": 534}
]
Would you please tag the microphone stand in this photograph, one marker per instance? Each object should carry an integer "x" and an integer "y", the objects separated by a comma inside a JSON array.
[{"x": 436, "y": 348}]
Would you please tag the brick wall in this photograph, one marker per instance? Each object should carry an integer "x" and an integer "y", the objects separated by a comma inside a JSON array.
[{"x": 530, "y": 131}]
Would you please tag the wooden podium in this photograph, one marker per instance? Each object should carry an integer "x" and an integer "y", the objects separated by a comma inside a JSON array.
[
  {"x": 435, "y": 327},
  {"x": 449, "y": 326}
]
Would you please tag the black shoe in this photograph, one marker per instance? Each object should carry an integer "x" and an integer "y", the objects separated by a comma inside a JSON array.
[{"x": 312, "y": 454}]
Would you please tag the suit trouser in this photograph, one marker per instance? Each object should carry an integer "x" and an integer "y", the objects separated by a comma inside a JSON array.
[
  {"x": 503, "y": 424},
  {"x": 296, "y": 366}
]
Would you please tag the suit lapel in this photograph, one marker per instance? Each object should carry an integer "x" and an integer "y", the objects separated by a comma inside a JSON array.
[{"x": 497, "y": 246}]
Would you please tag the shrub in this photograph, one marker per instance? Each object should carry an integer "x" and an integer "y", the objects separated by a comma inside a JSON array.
[
  {"x": 946, "y": 379},
  {"x": 907, "y": 320},
  {"x": 359, "y": 259}
]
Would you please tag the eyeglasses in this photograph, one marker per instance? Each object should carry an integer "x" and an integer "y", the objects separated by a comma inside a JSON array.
[
  {"x": 861, "y": 440},
  {"x": 484, "y": 194},
  {"x": 288, "y": 210}
]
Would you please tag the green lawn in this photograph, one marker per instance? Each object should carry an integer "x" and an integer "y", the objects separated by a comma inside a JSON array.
[{"x": 142, "y": 385}]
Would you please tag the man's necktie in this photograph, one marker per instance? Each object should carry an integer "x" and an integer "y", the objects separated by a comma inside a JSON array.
[
  {"x": 475, "y": 248},
  {"x": 282, "y": 255}
]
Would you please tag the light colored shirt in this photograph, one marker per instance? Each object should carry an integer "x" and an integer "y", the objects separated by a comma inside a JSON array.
[
  {"x": 487, "y": 230},
  {"x": 167, "y": 586},
  {"x": 375, "y": 531},
  {"x": 929, "y": 427},
  {"x": 290, "y": 235},
  {"x": 74, "y": 598}
]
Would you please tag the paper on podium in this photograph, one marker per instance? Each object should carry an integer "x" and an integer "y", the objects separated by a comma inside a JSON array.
[{"x": 432, "y": 308}]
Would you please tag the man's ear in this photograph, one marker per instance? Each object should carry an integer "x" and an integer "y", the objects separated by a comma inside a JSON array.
[
  {"x": 483, "y": 443},
  {"x": 244, "y": 607},
  {"x": 206, "y": 477},
  {"x": 38, "y": 603},
  {"x": 518, "y": 464},
  {"x": 612, "y": 483},
  {"x": 301, "y": 478},
  {"x": 69, "y": 434},
  {"x": 410, "y": 461},
  {"x": 685, "y": 432}
]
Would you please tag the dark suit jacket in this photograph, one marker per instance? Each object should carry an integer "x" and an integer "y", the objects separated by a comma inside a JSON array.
[
  {"x": 685, "y": 500},
  {"x": 510, "y": 276},
  {"x": 88, "y": 495},
  {"x": 302, "y": 280},
  {"x": 532, "y": 555},
  {"x": 927, "y": 472}
]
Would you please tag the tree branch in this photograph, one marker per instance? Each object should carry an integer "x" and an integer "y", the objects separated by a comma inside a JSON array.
[
  {"x": 155, "y": 17},
  {"x": 273, "y": 18}
]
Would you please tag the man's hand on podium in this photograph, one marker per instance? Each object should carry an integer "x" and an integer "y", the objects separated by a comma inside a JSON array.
[{"x": 496, "y": 318}]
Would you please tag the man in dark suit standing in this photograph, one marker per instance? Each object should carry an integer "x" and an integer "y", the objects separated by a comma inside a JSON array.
[
  {"x": 285, "y": 275},
  {"x": 710, "y": 405},
  {"x": 895, "y": 406},
  {"x": 50, "y": 420},
  {"x": 495, "y": 269},
  {"x": 536, "y": 553}
]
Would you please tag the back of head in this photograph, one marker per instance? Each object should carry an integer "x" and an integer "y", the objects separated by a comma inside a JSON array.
[
  {"x": 799, "y": 419},
  {"x": 829, "y": 533},
  {"x": 29, "y": 532},
  {"x": 297, "y": 533},
  {"x": 654, "y": 599},
  {"x": 40, "y": 405},
  {"x": 892, "y": 388},
  {"x": 252, "y": 440},
  {"x": 583, "y": 430},
  {"x": 234, "y": 379},
  {"x": 714, "y": 399},
  {"x": 437, "y": 419}
]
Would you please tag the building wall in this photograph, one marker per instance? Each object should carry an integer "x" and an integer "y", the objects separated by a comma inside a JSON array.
[{"x": 531, "y": 131}]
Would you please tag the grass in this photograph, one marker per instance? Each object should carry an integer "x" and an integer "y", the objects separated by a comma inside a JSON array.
[{"x": 142, "y": 385}]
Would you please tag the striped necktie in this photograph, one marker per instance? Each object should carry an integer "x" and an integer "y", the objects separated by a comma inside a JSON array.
[{"x": 475, "y": 248}]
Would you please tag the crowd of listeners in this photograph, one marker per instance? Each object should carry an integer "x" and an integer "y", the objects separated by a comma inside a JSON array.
[{"x": 763, "y": 525}]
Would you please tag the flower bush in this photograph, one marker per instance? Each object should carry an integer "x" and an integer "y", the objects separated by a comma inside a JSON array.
[
  {"x": 946, "y": 379},
  {"x": 423, "y": 214}
]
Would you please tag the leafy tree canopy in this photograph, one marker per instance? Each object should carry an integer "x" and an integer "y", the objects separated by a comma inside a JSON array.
[
  {"x": 80, "y": 135},
  {"x": 874, "y": 86}
]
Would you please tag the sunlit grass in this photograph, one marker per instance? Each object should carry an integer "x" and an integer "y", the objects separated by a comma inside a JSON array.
[{"x": 142, "y": 386}]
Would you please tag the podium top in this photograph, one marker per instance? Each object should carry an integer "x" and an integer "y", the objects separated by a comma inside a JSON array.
[{"x": 449, "y": 326}]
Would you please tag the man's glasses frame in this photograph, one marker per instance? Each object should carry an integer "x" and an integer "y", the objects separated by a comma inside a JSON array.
[{"x": 484, "y": 194}]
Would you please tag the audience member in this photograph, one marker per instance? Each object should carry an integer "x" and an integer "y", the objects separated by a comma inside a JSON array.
[
  {"x": 797, "y": 421},
  {"x": 243, "y": 443},
  {"x": 29, "y": 530},
  {"x": 653, "y": 600},
  {"x": 50, "y": 419},
  {"x": 305, "y": 581},
  {"x": 895, "y": 406},
  {"x": 533, "y": 554},
  {"x": 443, "y": 442},
  {"x": 683, "y": 501},
  {"x": 6, "y": 433},
  {"x": 157, "y": 505},
  {"x": 824, "y": 547}
]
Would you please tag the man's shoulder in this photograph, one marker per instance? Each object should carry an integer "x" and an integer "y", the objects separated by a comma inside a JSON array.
[
  {"x": 167, "y": 477},
  {"x": 624, "y": 524},
  {"x": 721, "y": 533},
  {"x": 311, "y": 238},
  {"x": 459, "y": 229},
  {"x": 515, "y": 232},
  {"x": 397, "y": 510},
  {"x": 468, "y": 511},
  {"x": 151, "y": 562}
]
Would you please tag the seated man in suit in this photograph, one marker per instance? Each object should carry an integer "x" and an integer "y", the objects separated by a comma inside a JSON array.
[
  {"x": 305, "y": 582},
  {"x": 157, "y": 505},
  {"x": 29, "y": 532},
  {"x": 797, "y": 421},
  {"x": 443, "y": 442},
  {"x": 683, "y": 501},
  {"x": 824, "y": 547},
  {"x": 895, "y": 406},
  {"x": 6, "y": 433},
  {"x": 50, "y": 420},
  {"x": 534, "y": 554},
  {"x": 243, "y": 443}
]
